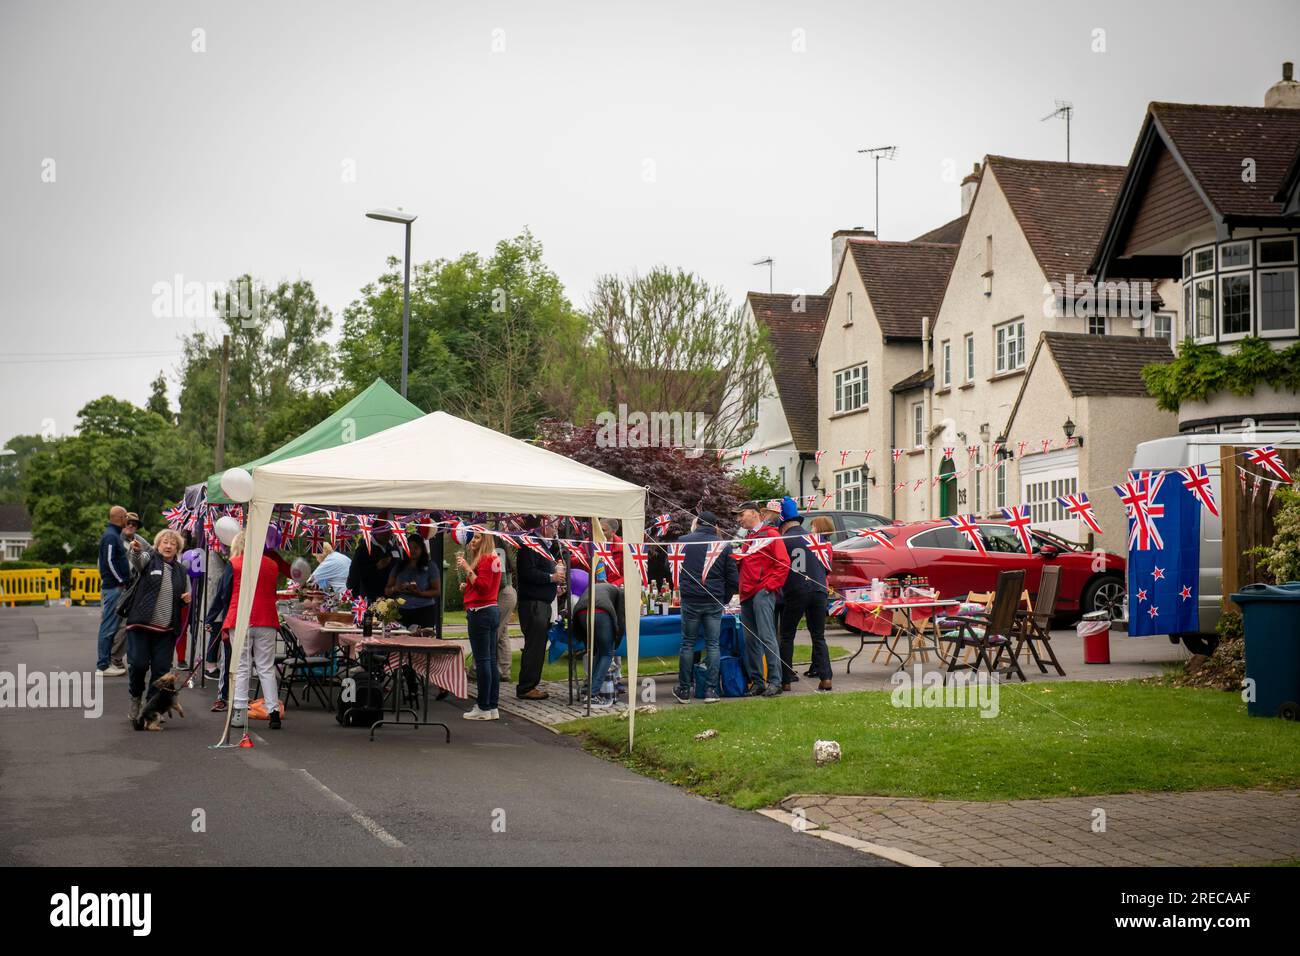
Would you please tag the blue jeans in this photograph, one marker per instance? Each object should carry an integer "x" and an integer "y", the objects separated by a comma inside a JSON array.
[
  {"x": 602, "y": 649},
  {"x": 147, "y": 652},
  {"x": 108, "y": 622},
  {"x": 758, "y": 616},
  {"x": 694, "y": 621},
  {"x": 483, "y": 623}
]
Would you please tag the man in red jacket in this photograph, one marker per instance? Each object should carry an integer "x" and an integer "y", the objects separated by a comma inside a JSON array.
[{"x": 764, "y": 566}]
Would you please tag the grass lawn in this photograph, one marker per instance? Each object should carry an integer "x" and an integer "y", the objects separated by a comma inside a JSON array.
[
  {"x": 1063, "y": 739},
  {"x": 559, "y": 670}
]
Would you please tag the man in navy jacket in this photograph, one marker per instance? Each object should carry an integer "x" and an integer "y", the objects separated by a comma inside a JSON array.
[
  {"x": 114, "y": 575},
  {"x": 703, "y": 598},
  {"x": 805, "y": 596},
  {"x": 536, "y": 578}
]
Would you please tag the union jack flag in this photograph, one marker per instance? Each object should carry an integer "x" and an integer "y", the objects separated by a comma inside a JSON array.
[
  {"x": 577, "y": 554},
  {"x": 530, "y": 542},
  {"x": 947, "y": 453},
  {"x": 971, "y": 452},
  {"x": 332, "y": 523},
  {"x": 661, "y": 523},
  {"x": 818, "y": 455},
  {"x": 174, "y": 516},
  {"x": 844, "y": 456},
  {"x": 315, "y": 536},
  {"x": 639, "y": 555},
  {"x": 1080, "y": 507},
  {"x": 1020, "y": 448},
  {"x": 897, "y": 453},
  {"x": 1018, "y": 517},
  {"x": 676, "y": 555},
  {"x": 866, "y": 457},
  {"x": 1269, "y": 459},
  {"x": 296, "y": 514},
  {"x": 970, "y": 530},
  {"x": 1139, "y": 497},
  {"x": 1197, "y": 480},
  {"x": 403, "y": 545},
  {"x": 711, "y": 556},
  {"x": 605, "y": 553},
  {"x": 836, "y": 607},
  {"x": 1047, "y": 445},
  {"x": 359, "y": 610},
  {"x": 822, "y": 549},
  {"x": 366, "y": 525},
  {"x": 744, "y": 457},
  {"x": 877, "y": 536}
]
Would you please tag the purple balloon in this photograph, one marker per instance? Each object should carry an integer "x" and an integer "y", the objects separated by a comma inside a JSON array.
[
  {"x": 193, "y": 561},
  {"x": 272, "y": 538},
  {"x": 578, "y": 581}
]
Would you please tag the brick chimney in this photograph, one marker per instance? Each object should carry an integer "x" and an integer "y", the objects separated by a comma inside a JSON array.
[
  {"x": 1285, "y": 93},
  {"x": 968, "y": 187},
  {"x": 840, "y": 241}
]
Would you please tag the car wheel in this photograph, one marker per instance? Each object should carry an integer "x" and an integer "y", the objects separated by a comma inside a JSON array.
[
  {"x": 1200, "y": 643},
  {"x": 1105, "y": 594}
]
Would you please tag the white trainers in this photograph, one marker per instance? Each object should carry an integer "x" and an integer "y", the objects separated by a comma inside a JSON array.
[
  {"x": 496, "y": 714},
  {"x": 113, "y": 670},
  {"x": 237, "y": 718},
  {"x": 475, "y": 714}
]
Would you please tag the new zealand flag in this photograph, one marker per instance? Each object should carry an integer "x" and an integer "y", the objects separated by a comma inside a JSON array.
[{"x": 1163, "y": 581}]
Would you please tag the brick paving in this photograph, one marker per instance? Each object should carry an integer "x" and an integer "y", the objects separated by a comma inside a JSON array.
[{"x": 1206, "y": 828}]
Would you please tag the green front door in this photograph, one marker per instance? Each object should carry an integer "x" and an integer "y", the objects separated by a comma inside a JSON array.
[{"x": 947, "y": 488}]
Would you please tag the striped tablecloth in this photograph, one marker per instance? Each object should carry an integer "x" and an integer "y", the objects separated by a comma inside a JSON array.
[{"x": 442, "y": 662}]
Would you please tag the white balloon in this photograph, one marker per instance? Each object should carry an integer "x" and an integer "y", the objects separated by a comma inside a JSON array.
[
  {"x": 227, "y": 527},
  {"x": 237, "y": 484},
  {"x": 300, "y": 570}
]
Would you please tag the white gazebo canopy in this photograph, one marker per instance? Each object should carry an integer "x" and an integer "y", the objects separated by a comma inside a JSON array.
[{"x": 440, "y": 462}]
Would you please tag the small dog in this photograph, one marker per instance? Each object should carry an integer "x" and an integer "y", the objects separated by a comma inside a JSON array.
[{"x": 163, "y": 702}]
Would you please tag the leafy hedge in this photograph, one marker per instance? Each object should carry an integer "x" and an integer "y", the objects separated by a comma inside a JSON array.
[{"x": 1201, "y": 370}]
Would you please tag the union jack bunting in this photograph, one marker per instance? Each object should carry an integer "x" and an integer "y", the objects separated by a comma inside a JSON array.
[
  {"x": 366, "y": 524},
  {"x": 296, "y": 515},
  {"x": 818, "y": 455},
  {"x": 711, "y": 557},
  {"x": 661, "y": 523},
  {"x": 332, "y": 524},
  {"x": 315, "y": 536},
  {"x": 402, "y": 544},
  {"x": 897, "y": 453},
  {"x": 844, "y": 456},
  {"x": 866, "y": 456},
  {"x": 359, "y": 610},
  {"x": 1241, "y": 478},
  {"x": 916, "y": 485},
  {"x": 1047, "y": 445},
  {"x": 1254, "y": 487},
  {"x": 947, "y": 453},
  {"x": 744, "y": 457},
  {"x": 577, "y": 554},
  {"x": 676, "y": 555},
  {"x": 826, "y": 498},
  {"x": 174, "y": 516},
  {"x": 971, "y": 452},
  {"x": 640, "y": 556},
  {"x": 1139, "y": 497},
  {"x": 822, "y": 549},
  {"x": 970, "y": 531},
  {"x": 836, "y": 607},
  {"x": 900, "y": 486},
  {"x": 530, "y": 542},
  {"x": 875, "y": 535},
  {"x": 1197, "y": 480},
  {"x": 1080, "y": 507},
  {"x": 1020, "y": 448},
  {"x": 1270, "y": 460},
  {"x": 1018, "y": 517},
  {"x": 997, "y": 447}
]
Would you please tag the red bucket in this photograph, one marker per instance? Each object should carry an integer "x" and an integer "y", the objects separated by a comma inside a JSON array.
[{"x": 1096, "y": 641}]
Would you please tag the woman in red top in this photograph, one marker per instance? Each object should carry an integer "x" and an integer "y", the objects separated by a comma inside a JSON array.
[
  {"x": 263, "y": 625},
  {"x": 482, "y": 581}
]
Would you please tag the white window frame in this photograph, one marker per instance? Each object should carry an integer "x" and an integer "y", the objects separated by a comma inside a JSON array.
[
  {"x": 843, "y": 382},
  {"x": 918, "y": 424},
  {"x": 970, "y": 357},
  {"x": 1157, "y": 334},
  {"x": 850, "y": 490},
  {"x": 1000, "y": 354},
  {"x": 1249, "y": 276},
  {"x": 1263, "y": 266},
  {"x": 1214, "y": 303},
  {"x": 1208, "y": 270},
  {"x": 979, "y": 481},
  {"x": 1258, "y": 302},
  {"x": 999, "y": 483},
  {"x": 1250, "y": 255},
  {"x": 946, "y": 350}
]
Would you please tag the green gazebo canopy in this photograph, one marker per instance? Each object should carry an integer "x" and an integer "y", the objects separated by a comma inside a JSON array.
[{"x": 377, "y": 408}]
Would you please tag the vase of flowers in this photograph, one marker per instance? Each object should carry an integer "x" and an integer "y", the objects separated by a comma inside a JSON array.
[{"x": 387, "y": 611}]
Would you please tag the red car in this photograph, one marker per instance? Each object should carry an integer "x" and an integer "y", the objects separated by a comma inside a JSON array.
[{"x": 937, "y": 550}]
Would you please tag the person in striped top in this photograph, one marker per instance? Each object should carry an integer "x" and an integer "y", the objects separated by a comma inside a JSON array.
[
  {"x": 153, "y": 614},
  {"x": 481, "y": 585}
]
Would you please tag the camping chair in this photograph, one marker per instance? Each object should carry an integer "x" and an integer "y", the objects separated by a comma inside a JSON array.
[
  {"x": 989, "y": 632},
  {"x": 314, "y": 672},
  {"x": 1035, "y": 627}
]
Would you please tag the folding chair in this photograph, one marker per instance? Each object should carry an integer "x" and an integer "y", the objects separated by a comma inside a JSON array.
[
  {"x": 989, "y": 632},
  {"x": 314, "y": 671},
  {"x": 1035, "y": 627}
]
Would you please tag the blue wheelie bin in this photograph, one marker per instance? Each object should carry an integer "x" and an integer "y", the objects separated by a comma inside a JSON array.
[{"x": 1271, "y": 619}]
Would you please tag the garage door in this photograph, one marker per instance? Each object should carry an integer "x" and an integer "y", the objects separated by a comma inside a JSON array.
[{"x": 1043, "y": 479}]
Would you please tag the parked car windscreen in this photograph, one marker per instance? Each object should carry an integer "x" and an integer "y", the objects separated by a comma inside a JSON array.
[{"x": 947, "y": 537}]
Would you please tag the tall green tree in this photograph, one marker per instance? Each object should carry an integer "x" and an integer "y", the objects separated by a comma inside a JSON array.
[
  {"x": 489, "y": 338},
  {"x": 13, "y": 465},
  {"x": 119, "y": 455},
  {"x": 279, "y": 358}
]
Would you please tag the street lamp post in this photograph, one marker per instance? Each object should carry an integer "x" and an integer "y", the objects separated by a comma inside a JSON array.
[{"x": 405, "y": 218}]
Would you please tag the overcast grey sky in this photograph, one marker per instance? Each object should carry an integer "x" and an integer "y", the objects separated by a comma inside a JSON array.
[{"x": 705, "y": 135}]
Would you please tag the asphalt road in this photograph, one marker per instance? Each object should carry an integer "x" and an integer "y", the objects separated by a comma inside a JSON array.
[{"x": 93, "y": 792}]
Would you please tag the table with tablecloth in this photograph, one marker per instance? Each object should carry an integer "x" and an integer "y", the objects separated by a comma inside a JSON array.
[
  {"x": 661, "y": 636},
  {"x": 877, "y": 618},
  {"x": 441, "y": 663}
]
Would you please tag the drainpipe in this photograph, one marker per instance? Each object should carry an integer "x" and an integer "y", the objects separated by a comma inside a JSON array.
[
  {"x": 929, "y": 414},
  {"x": 893, "y": 443}
]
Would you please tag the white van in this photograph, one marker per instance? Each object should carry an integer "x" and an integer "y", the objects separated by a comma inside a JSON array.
[{"x": 1183, "y": 451}]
